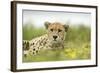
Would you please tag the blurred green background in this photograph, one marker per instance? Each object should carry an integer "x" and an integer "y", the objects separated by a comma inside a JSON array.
[{"x": 77, "y": 44}]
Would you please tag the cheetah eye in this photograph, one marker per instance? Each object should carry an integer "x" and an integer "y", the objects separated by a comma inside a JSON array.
[
  {"x": 51, "y": 30},
  {"x": 59, "y": 30}
]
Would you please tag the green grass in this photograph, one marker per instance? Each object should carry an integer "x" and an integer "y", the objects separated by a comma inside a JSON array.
[{"x": 77, "y": 45}]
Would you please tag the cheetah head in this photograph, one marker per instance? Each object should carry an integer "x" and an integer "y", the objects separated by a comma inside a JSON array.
[{"x": 56, "y": 32}]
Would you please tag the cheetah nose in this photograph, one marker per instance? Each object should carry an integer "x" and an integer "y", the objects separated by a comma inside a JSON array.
[{"x": 54, "y": 37}]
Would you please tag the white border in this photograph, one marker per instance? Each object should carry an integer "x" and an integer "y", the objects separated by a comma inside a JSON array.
[{"x": 34, "y": 65}]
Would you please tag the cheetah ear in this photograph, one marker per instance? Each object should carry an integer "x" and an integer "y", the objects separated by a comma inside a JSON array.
[
  {"x": 47, "y": 24},
  {"x": 66, "y": 27}
]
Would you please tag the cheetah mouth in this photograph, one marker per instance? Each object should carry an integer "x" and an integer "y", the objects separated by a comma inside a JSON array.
[{"x": 54, "y": 40}]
